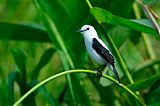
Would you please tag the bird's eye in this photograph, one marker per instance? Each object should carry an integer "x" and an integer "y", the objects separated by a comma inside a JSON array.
[{"x": 87, "y": 28}]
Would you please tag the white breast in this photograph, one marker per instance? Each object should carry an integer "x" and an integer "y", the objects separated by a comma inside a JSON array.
[{"x": 93, "y": 54}]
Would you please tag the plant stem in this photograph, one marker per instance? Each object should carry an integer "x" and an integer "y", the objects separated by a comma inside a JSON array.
[
  {"x": 89, "y": 4},
  {"x": 119, "y": 59},
  {"x": 114, "y": 48},
  {"x": 75, "y": 71}
]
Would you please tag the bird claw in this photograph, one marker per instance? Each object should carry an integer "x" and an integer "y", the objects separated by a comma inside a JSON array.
[{"x": 99, "y": 74}]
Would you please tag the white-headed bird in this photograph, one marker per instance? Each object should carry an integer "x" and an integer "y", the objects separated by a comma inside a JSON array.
[{"x": 97, "y": 50}]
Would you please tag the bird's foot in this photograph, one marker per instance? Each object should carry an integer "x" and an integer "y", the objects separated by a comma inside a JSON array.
[{"x": 99, "y": 73}]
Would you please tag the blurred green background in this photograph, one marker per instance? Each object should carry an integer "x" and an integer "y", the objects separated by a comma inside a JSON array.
[{"x": 38, "y": 39}]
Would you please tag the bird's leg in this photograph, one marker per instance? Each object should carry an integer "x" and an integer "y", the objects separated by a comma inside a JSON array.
[
  {"x": 116, "y": 73},
  {"x": 99, "y": 70}
]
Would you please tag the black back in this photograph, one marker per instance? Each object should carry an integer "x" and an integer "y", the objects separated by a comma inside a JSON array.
[{"x": 103, "y": 52}]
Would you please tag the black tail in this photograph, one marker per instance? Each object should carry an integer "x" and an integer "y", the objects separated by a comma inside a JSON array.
[{"x": 116, "y": 73}]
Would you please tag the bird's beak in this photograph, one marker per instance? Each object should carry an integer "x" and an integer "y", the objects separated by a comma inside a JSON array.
[{"x": 80, "y": 31}]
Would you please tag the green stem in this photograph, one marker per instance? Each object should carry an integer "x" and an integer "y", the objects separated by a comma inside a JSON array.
[
  {"x": 89, "y": 4},
  {"x": 114, "y": 48},
  {"x": 120, "y": 60},
  {"x": 76, "y": 71}
]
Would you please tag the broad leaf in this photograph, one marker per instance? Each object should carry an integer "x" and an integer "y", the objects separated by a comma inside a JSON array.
[
  {"x": 145, "y": 83},
  {"x": 114, "y": 6},
  {"x": 27, "y": 32},
  {"x": 131, "y": 55},
  {"x": 153, "y": 98},
  {"x": 145, "y": 22},
  {"x": 106, "y": 17},
  {"x": 61, "y": 24},
  {"x": 124, "y": 33},
  {"x": 146, "y": 64}
]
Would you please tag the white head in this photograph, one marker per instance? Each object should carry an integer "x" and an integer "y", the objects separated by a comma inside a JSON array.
[{"x": 88, "y": 31}]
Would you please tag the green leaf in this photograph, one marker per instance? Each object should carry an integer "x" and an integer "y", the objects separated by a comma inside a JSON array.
[
  {"x": 61, "y": 35},
  {"x": 145, "y": 83},
  {"x": 145, "y": 22},
  {"x": 20, "y": 60},
  {"x": 106, "y": 93},
  {"x": 131, "y": 55},
  {"x": 79, "y": 95},
  {"x": 146, "y": 64},
  {"x": 149, "y": 2},
  {"x": 11, "y": 79},
  {"x": 153, "y": 98},
  {"x": 114, "y": 6},
  {"x": 123, "y": 32},
  {"x": 106, "y": 17},
  {"x": 28, "y": 32},
  {"x": 63, "y": 60},
  {"x": 47, "y": 55},
  {"x": 72, "y": 10},
  {"x": 48, "y": 96},
  {"x": 155, "y": 86},
  {"x": 45, "y": 93},
  {"x": 121, "y": 8},
  {"x": 61, "y": 30}
]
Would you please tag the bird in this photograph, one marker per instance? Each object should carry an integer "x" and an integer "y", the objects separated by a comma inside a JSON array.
[{"x": 98, "y": 51}]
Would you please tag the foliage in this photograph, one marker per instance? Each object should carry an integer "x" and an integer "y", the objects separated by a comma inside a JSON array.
[{"x": 38, "y": 43}]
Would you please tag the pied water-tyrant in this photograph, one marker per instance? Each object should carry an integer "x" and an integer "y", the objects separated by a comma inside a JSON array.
[{"x": 97, "y": 50}]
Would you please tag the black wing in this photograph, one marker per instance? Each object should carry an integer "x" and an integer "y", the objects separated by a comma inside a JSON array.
[{"x": 103, "y": 52}]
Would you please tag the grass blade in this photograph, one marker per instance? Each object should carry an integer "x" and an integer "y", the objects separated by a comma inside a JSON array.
[
  {"x": 20, "y": 60},
  {"x": 47, "y": 55},
  {"x": 11, "y": 79},
  {"x": 45, "y": 93}
]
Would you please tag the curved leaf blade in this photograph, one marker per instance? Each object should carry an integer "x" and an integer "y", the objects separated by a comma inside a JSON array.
[
  {"x": 20, "y": 60},
  {"x": 153, "y": 98},
  {"x": 145, "y": 83},
  {"x": 61, "y": 25},
  {"x": 45, "y": 93},
  {"x": 11, "y": 79},
  {"x": 47, "y": 55},
  {"x": 23, "y": 31},
  {"x": 106, "y": 17}
]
